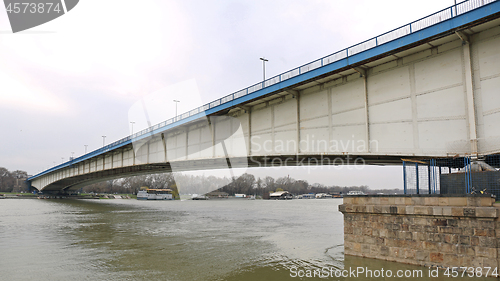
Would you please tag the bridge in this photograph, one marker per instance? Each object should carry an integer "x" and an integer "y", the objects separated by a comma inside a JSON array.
[{"x": 426, "y": 89}]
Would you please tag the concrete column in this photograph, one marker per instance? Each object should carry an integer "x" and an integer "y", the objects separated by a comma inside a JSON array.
[
  {"x": 187, "y": 130},
  {"x": 297, "y": 96},
  {"x": 212, "y": 131},
  {"x": 249, "y": 131},
  {"x": 469, "y": 88},
  {"x": 164, "y": 146},
  {"x": 367, "y": 118},
  {"x": 147, "y": 154}
]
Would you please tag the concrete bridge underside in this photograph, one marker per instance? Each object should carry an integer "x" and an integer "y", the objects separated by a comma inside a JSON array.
[{"x": 437, "y": 98}]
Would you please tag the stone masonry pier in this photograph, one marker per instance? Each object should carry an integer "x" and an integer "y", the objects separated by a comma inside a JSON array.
[{"x": 429, "y": 230}]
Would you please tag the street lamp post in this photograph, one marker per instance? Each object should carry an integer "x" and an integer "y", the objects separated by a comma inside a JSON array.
[
  {"x": 176, "y": 101},
  {"x": 72, "y": 155},
  {"x": 103, "y": 139},
  {"x": 264, "y": 66},
  {"x": 132, "y": 127},
  {"x": 85, "y": 148}
]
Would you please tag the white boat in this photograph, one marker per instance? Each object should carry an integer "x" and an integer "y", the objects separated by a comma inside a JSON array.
[
  {"x": 355, "y": 192},
  {"x": 155, "y": 194},
  {"x": 199, "y": 197}
]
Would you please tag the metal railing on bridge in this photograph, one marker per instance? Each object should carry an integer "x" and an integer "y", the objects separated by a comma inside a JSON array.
[{"x": 457, "y": 175}]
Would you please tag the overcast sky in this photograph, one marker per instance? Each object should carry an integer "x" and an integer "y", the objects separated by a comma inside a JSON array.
[{"x": 68, "y": 82}]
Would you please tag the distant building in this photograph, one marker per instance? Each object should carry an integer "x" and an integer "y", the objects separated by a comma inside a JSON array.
[
  {"x": 240, "y": 195},
  {"x": 306, "y": 196},
  {"x": 217, "y": 194},
  {"x": 280, "y": 195}
]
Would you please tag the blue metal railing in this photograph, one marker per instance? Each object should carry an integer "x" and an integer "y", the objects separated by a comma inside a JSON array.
[{"x": 440, "y": 16}]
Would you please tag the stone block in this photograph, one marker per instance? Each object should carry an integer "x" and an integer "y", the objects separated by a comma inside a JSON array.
[
  {"x": 486, "y": 201},
  {"x": 370, "y": 240},
  {"x": 431, "y": 201},
  {"x": 473, "y": 201},
  {"x": 493, "y": 263},
  {"x": 484, "y": 232},
  {"x": 367, "y": 231},
  {"x": 408, "y": 201},
  {"x": 490, "y": 242},
  {"x": 451, "y": 238},
  {"x": 347, "y": 200},
  {"x": 422, "y": 256},
  {"x": 369, "y": 208},
  {"x": 474, "y": 241},
  {"x": 418, "y": 201},
  {"x": 457, "y": 211},
  {"x": 466, "y": 250},
  {"x": 439, "y": 222},
  {"x": 457, "y": 201},
  {"x": 430, "y": 246},
  {"x": 356, "y": 247},
  {"x": 342, "y": 208},
  {"x": 467, "y": 231},
  {"x": 399, "y": 200},
  {"x": 464, "y": 240},
  {"x": 486, "y": 224},
  {"x": 409, "y": 254},
  {"x": 476, "y": 262},
  {"x": 443, "y": 201},
  {"x": 449, "y": 230},
  {"x": 431, "y": 229},
  {"x": 436, "y": 257},
  {"x": 385, "y": 209},
  {"x": 486, "y": 212},
  {"x": 453, "y": 222},
  {"x": 449, "y": 248},
  {"x": 447, "y": 211},
  {"x": 486, "y": 252},
  {"x": 394, "y": 252},
  {"x": 410, "y": 210},
  {"x": 437, "y": 211},
  {"x": 469, "y": 212},
  {"x": 466, "y": 260},
  {"x": 365, "y": 249},
  {"x": 375, "y": 201},
  {"x": 420, "y": 236},
  {"x": 416, "y": 227},
  {"x": 423, "y": 210},
  {"x": 384, "y": 251},
  {"x": 392, "y": 234},
  {"x": 452, "y": 260},
  {"x": 405, "y": 235},
  {"x": 462, "y": 223},
  {"x": 420, "y": 221}
]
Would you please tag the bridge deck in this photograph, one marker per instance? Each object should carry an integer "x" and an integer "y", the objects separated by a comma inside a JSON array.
[{"x": 410, "y": 38}]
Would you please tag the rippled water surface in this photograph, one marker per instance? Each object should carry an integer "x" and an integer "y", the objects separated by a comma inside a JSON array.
[{"x": 172, "y": 240}]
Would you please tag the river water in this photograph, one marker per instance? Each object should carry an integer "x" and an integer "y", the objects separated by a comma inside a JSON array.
[{"x": 175, "y": 240}]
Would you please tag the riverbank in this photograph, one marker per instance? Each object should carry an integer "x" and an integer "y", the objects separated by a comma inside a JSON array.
[{"x": 12, "y": 195}]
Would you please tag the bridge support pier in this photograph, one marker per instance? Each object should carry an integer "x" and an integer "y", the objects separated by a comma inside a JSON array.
[{"x": 428, "y": 230}]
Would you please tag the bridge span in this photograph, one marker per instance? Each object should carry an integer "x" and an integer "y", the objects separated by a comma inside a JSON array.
[{"x": 426, "y": 89}]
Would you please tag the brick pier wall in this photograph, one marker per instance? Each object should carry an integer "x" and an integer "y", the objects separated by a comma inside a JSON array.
[{"x": 429, "y": 230}]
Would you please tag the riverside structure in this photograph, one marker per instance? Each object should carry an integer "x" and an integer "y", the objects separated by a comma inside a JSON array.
[{"x": 430, "y": 230}]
